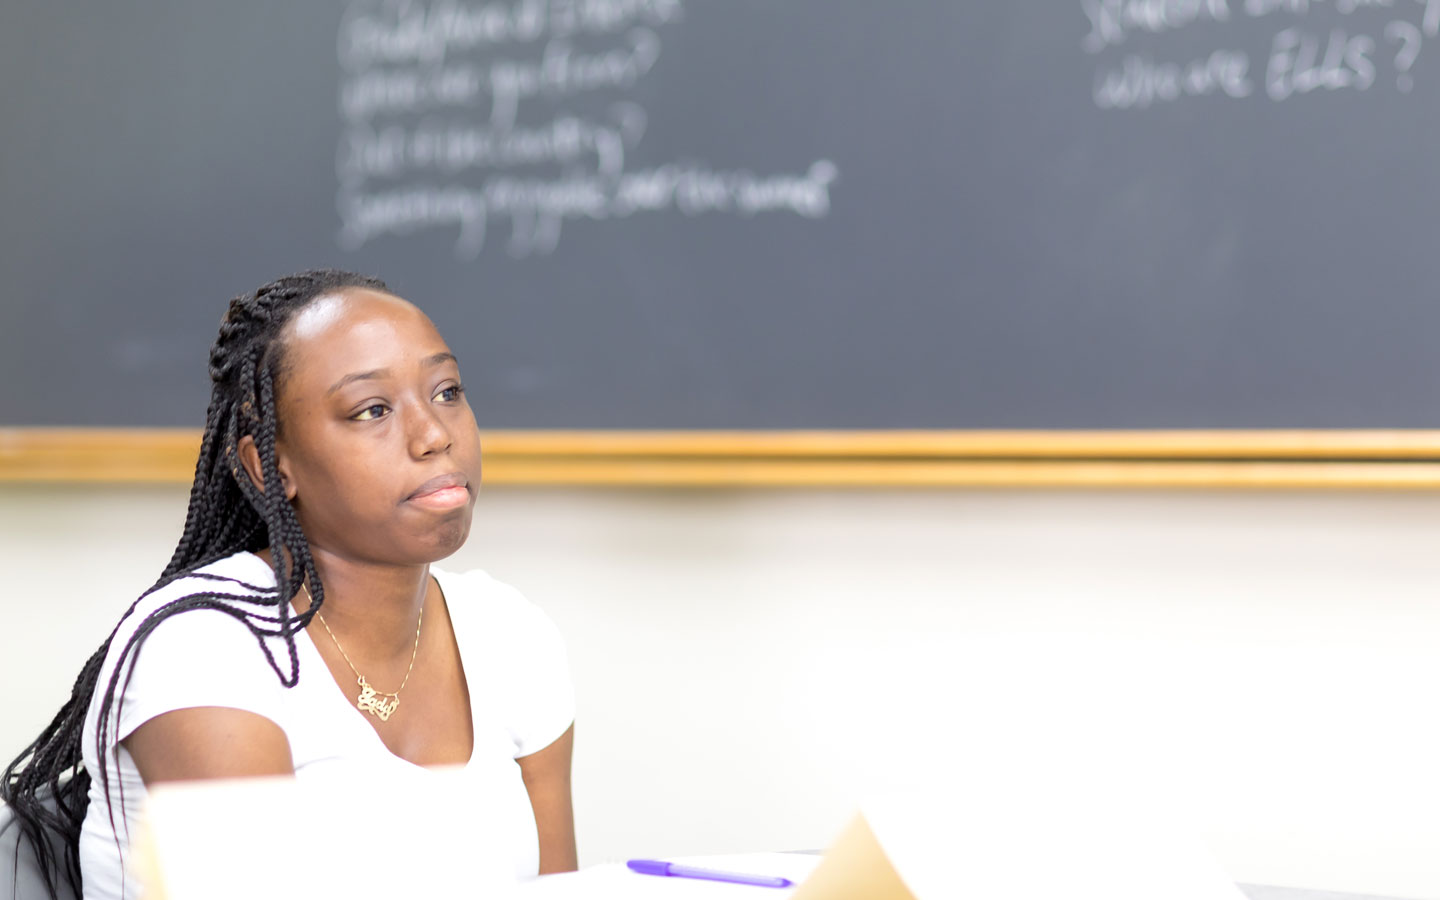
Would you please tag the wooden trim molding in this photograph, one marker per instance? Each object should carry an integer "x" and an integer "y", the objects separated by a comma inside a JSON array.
[
  {"x": 1109, "y": 459},
  {"x": 1328, "y": 445}
]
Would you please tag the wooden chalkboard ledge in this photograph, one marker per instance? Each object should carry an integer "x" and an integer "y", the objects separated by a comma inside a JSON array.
[{"x": 1155, "y": 459}]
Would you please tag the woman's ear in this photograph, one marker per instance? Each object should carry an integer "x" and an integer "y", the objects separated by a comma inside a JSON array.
[{"x": 250, "y": 459}]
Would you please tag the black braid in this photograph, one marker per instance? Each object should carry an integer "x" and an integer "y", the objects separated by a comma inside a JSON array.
[{"x": 227, "y": 514}]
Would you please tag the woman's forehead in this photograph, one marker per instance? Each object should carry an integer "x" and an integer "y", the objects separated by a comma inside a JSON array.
[
  {"x": 357, "y": 327},
  {"x": 333, "y": 315}
]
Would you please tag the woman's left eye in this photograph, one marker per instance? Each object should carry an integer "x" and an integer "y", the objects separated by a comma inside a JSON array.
[{"x": 450, "y": 393}]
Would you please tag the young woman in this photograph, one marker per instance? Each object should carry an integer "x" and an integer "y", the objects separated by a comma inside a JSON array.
[{"x": 299, "y": 627}]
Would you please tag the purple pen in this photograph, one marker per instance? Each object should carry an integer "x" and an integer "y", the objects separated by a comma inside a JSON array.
[{"x": 660, "y": 867}]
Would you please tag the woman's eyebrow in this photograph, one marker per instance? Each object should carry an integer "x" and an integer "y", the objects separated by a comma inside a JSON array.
[
  {"x": 428, "y": 362},
  {"x": 357, "y": 376}
]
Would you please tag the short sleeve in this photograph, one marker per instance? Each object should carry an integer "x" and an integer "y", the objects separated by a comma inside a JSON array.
[
  {"x": 197, "y": 658},
  {"x": 545, "y": 705},
  {"x": 511, "y": 643}
]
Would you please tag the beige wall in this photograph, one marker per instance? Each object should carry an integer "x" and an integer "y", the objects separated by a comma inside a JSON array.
[{"x": 749, "y": 662}]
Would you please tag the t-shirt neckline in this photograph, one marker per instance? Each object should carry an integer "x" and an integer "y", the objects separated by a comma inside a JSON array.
[{"x": 355, "y": 715}]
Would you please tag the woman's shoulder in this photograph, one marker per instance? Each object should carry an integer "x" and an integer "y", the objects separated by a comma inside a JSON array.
[
  {"x": 189, "y": 643},
  {"x": 211, "y": 602},
  {"x": 478, "y": 598},
  {"x": 240, "y": 574},
  {"x": 518, "y": 645},
  {"x": 215, "y": 593},
  {"x": 243, "y": 572},
  {"x": 477, "y": 589}
]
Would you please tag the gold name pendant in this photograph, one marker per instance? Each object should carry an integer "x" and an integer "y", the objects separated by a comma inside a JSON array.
[{"x": 380, "y": 705}]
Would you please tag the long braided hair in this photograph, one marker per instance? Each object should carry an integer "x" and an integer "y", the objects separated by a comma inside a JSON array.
[{"x": 227, "y": 514}]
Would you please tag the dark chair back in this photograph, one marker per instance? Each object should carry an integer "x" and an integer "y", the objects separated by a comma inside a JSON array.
[{"x": 20, "y": 875}]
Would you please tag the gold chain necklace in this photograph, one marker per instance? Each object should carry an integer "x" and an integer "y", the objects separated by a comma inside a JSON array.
[{"x": 381, "y": 704}]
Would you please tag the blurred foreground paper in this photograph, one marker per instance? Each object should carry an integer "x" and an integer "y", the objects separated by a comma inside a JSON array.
[
  {"x": 1023, "y": 836},
  {"x": 415, "y": 835}
]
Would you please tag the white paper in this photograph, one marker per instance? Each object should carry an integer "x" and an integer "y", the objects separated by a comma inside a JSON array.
[{"x": 282, "y": 838}]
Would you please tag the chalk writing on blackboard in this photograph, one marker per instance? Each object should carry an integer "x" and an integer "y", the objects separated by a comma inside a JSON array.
[
  {"x": 461, "y": 116},
  {"x": 1316, "y": 46}
]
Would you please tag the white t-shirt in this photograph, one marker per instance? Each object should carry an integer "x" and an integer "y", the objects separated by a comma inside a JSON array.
[{"x": 521, "y": 700}]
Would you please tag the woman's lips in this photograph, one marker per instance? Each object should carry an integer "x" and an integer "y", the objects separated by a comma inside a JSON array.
[
  {"x": 442, "y": 492},
  {"x": 442, "y": 498}
]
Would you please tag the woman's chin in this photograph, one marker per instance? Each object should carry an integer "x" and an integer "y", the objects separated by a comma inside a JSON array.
[{"x": 447, "y": 539}]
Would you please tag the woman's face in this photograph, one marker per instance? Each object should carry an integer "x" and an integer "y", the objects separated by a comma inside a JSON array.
[{"x": 377, "y": 448}]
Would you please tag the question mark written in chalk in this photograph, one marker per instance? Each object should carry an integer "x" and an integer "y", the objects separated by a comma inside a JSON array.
[{"x": 1408, "y": 36}]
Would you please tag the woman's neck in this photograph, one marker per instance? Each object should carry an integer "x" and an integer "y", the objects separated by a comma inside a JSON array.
[{"x": 369, "y": 604}]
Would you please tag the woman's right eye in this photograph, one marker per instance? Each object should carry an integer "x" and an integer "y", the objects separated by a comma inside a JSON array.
[{"x": 369, "y": 413}]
